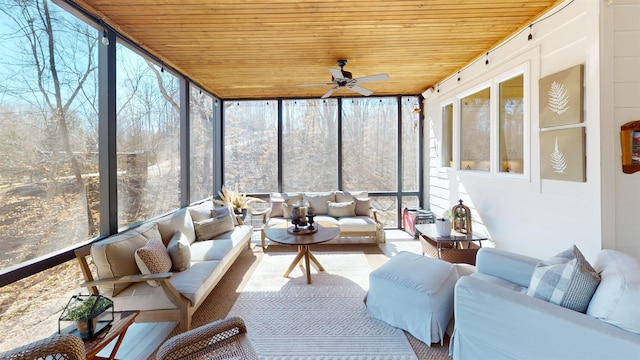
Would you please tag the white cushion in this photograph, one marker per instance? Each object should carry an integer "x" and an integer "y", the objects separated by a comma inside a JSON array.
[
  {"x": 617, "y": 299},
  {"x": 114, "y": 256},
  {"x": 363, "y": 206},
  {"x": 179, "y": 250},
  {"x": 566, "y": 279},
  {"x": 210, "y": 250},
  {"x": 357, "y": 224},
  {"x": 201, "y": 211},
  {"x": 319, "y": 201},
  {"x": 239, "y": 234},
  {"x": 178, "y": 220},
  {"x": 341, "y": 209}
]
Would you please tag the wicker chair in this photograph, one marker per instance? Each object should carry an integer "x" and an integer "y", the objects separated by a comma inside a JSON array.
[
  {"x": 223, "y": 339},
  {"x": 56, "y": 347}
]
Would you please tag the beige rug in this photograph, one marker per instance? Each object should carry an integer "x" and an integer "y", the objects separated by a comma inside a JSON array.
[
  {"x": 290, "y": 319},
  {"x": 224, "y": 295}
]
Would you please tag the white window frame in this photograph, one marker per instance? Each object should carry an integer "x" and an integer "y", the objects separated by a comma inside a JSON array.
[
  {"x": 494, "y": 141},
  {"x": 523, "y": 70}
]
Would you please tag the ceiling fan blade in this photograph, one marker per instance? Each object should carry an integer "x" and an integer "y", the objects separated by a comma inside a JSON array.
[
  {"x": 336, "y": 73},
  {"x": 372, "y": 78},
  {"x": 330, "y": 92},
  {"x": 318, "y": 84},
  {"x": 361, "y": 90}
]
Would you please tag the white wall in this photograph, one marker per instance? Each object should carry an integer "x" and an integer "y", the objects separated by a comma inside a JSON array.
[
  {"x": 533, "y": 216},
  {"x": 621, "y": 78}
]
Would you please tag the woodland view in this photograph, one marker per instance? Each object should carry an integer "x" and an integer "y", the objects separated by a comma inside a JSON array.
[{"x": 49, "y": 162}]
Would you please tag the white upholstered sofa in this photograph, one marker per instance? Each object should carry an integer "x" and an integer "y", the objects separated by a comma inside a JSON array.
[
  {"x": 351, "y": 211},
  {"x": 496, "y": 319},
  {"x": 130, "y": 268}
]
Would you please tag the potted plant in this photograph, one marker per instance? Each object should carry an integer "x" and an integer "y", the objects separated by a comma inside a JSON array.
[
  {"x": 84, "y": 310},
  {"x": 238, "y": 202}
]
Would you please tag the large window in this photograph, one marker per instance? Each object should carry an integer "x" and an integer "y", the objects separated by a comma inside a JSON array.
[
  {"x": 370, "y": 144},
  {"x": 49, "y": 197},
  {"x": 410, "y": 143},
  {"x": 148, "y": 138},
  {"x": 202, "y": 109},
  {"x": 511, "y": 125},
  {"x": 310, "y": 145},
  {"x": 49, "y": 175},
  {"x": 251, "y": 145},
  {"x": 475, "y": 131}
]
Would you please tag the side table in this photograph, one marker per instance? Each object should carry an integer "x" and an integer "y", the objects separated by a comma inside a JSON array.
[
  {"x": 455, "y": 248},
  {"x": 121, "y": 322}
]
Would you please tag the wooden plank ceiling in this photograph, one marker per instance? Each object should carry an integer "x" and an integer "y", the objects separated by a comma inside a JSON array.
[{"x": 240, "y": 49}]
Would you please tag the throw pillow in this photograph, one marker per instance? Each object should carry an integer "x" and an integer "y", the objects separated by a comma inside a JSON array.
[
  {"x": 201, "y": 211},
  {"x": 341, "y": 209},
  {"x": 319, "y": 201},
  {"x": 566, "y": 279},
  {"x": 363, "y": 206},
  {"x": 179, "y": 250},
  {"x": 617, "y": 299},
  {"x": 220, "y": 212},
  {"x": 276, "y": 208},
  {"x": 210, "y": 228},
  {"x": 153, "y": 258}
]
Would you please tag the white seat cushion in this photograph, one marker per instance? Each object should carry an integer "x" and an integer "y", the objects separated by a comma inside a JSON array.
[
  {"x": 357, "y": 223},
  {"x": 210, "y": 249}
]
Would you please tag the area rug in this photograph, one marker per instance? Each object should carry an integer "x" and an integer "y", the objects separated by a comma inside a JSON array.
[{"x": 327, "y": 319}]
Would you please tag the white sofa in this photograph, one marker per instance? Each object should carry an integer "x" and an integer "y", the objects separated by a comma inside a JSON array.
[
  {"x": 198, "y": 262},
  {"x": 351, "y": 211},
  {"x": 496, "y": 319}
]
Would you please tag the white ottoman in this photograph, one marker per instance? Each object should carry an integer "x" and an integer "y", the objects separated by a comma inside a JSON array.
[{"x": 414, "y": 293}]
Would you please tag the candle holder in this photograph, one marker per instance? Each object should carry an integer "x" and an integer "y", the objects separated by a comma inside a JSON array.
[{"x": 311, "y": 216}]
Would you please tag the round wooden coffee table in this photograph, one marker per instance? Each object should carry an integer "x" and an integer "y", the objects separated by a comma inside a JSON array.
[{"x": 326, "y": 231}]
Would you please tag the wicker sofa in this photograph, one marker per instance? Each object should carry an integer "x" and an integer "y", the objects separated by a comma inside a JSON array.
[
  {"x": 351, "y": 211},
  {"x": 200, "y": 253}
]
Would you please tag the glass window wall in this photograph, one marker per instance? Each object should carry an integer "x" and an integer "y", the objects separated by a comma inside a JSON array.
[
  {"x": 201, "y": 126},
  {"x": 370, "y": 144},
  {"x": 251, "y": 145},
  {"x": 148, "y": 138},
  {"x": 310, "y": 145}
]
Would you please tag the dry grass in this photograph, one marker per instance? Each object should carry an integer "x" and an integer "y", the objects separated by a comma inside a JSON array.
[{"x": 29, "y": 308}]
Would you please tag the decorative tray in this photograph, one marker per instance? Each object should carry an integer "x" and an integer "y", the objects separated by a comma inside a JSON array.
[{"x": 301, "y": 230}]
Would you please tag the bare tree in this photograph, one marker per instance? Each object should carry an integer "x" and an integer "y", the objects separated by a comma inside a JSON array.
[{"x": 58, "y": 79}]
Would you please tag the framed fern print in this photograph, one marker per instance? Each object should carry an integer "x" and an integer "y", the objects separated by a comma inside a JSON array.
[
  {"x": 561, "y": 97},
  {"x": 562, "y": 154}
]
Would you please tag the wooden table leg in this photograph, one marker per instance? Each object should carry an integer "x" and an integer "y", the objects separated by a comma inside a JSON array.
[
  {"x": 294, "y": 263},
  {"x": 316, "y": 262},
  {"x": 306, "y": 260}
]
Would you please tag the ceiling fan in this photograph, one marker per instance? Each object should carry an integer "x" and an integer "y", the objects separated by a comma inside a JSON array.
[{"x": 343, "y": 79}]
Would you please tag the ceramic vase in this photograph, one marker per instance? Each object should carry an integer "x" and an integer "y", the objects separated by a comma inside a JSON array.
[{"x": 443, "y": 227}]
